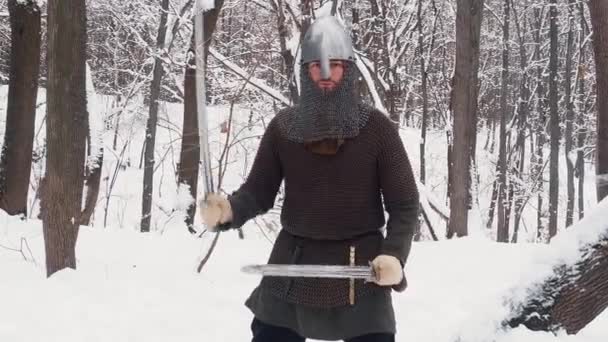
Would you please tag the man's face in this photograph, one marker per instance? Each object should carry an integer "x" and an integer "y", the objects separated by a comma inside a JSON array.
[{"x": 336, "y": 68}]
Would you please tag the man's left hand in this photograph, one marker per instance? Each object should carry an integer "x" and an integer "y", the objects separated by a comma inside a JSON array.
[{"x": 388, "y": 270}]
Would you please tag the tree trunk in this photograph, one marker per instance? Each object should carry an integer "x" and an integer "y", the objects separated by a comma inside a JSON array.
[
  {"x": 599, "y": 22},
  {"x": 554, "y": 115},
  {"x": 65, "y": 132},
  {"x": 425, "y": 95},
  {"x": 521, "y": 196},
  {"x": 16, "y": 160},
  {"x": 581, "y": 135},
  {"x": 92, "y": 183},
  {"x": 188, "y": 167},
  {"x": 94, "y": 163},
  {"x": 190, "y": 152},
  {"x": 568, "y": 134},
  {"x": 464, "y": 105},
  {"x": 538, "y": 155},
  {"x": 502, "y": 233},
  {"x": 288, "y": 58},
  {"x": 575, "y": 293},
  {"x": 157, "y": 75}
]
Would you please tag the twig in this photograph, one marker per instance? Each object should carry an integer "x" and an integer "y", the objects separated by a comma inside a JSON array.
[{"x": 206, "y": 258}]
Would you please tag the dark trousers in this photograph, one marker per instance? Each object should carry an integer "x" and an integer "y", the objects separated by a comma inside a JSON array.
[{"x": 263, "y": 332}]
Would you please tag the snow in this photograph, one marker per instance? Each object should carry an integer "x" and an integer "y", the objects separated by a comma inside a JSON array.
[
  {"x": 130, "y": 286},
  {"x": 602, "y": 179},
  {"x": 205, "y": 5},
  {"x": 96, "y": 127},
  {"x": 368, "y": 79},
  {"x": 143, "y": 287}
]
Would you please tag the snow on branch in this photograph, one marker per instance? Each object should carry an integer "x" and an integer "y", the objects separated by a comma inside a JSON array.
[
  {"x": 256, "y": 82},
  {"x": 429, "y": 201},
  {"x": 371, "y": 86}
]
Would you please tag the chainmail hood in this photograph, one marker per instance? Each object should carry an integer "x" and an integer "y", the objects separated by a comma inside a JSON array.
[{"x": 321, "y": 114}]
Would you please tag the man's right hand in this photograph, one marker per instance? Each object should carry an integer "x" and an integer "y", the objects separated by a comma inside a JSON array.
[{"x": 215, "y": 210}]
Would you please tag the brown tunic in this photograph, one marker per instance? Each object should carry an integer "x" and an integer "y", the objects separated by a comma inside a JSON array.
[{"x": 331, "y": 202}]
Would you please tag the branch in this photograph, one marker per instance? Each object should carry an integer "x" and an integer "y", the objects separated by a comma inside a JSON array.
[
  {"x": 256, "y": 82},
  {"x": 370, "y": 85},
  {"x": 426, "y": 197}
]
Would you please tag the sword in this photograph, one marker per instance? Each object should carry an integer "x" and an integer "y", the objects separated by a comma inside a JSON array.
[
  {"x": 201, "y": 108},
  {"x": 201, "y": 103},
  {"x": 313, "y": 271}
]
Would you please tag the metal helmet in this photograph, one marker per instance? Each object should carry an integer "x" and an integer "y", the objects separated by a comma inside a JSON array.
[{"x": 327, "y": 39}]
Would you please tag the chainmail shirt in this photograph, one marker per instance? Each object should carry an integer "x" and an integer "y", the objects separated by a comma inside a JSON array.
[{"x": 331, "y": 203}]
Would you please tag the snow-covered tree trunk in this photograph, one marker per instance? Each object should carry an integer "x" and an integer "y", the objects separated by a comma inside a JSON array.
[
  {"x": 599, "y": 22},
  {"x": 16, "y": 161},
  {"x": 577, "y": 290},
  {"x": 65, "y": 132},
  {"x": 464, "y": 105}
]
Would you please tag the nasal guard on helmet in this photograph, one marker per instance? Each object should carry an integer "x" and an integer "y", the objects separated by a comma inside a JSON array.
[{"x": 326, "y": 39}]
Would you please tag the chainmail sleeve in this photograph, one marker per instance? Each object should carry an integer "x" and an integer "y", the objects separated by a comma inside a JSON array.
[
  {"x": 257, "y": 195},
  {"x": 399, "y": 193}
]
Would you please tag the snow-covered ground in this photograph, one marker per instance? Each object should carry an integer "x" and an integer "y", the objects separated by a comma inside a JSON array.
[
  {"x": 134, "y": 287},
  {"x": 143, "y": 287}
]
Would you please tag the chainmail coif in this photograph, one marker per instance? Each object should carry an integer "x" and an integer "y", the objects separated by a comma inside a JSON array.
[{"x": 325, "y": 114}]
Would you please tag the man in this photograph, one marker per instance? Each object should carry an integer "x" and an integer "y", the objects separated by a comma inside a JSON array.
[{"x": 340, "y": 161}]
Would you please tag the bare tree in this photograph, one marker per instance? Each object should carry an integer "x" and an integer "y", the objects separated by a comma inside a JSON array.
[
  {"x": 464, "y": 105},
  {"x": 581, "y": 135},
  {"x": 66, "y": 132},
  {"x": 568, "y": 133},
  {"x": 157, "y": 75},
  {"x": 503, "y": 222},
  {"x": 16, "y": 161},
  {"x": 554, "y": 121}
]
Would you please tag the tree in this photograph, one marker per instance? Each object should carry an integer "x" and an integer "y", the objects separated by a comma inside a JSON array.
[
  {"x": 16, "y": 161},
  {"x": 157, "y": 75},
  {"x": 554, "y": 120},
  {"x": 464, "y": 105},
  {"x": 568, "y": 133},
  {"x": 599, "y": 22},
  {"x": 503, "y": 222},
  {"x": 581, "y": 135},
  {"x": 65, "y": 132}
]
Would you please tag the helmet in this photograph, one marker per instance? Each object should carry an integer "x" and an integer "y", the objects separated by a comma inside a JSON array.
[{"x": 326, "y": 39}]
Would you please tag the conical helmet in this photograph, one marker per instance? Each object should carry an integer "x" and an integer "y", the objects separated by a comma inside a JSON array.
[{"x": 326, "y": 39}]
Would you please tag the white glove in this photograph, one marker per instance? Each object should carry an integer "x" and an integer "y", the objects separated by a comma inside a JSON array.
[
  {"x": 215, "y": 209},
  {"x": 388, "y": 270}
]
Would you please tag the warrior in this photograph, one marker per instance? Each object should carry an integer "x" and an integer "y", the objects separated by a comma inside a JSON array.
[{"x": 343, "y": 165}]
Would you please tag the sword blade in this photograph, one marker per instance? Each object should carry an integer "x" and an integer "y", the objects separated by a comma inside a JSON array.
[{"x": 312, "y": 271}]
